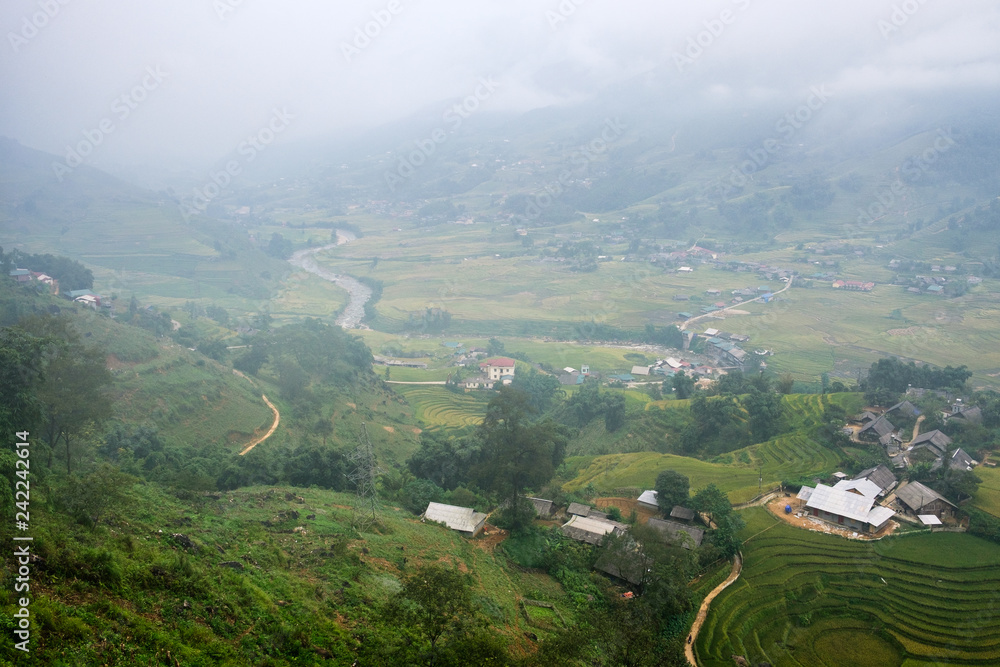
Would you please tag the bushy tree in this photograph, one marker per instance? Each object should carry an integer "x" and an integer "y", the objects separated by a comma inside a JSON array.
[{"x": 672, "y": 488}]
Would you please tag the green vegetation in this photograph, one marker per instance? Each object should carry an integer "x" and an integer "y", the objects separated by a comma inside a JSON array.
[
  {"x": 924, "y": 598},
  {"x": 437, "y": 406}
]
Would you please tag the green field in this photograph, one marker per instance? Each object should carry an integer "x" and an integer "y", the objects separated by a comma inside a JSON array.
[
  {"x": 437, "y": 406},
  {"x": 788, "y": 456},
  {"x": 988, "y": 495},
  {"x": 806, "y": 598}
]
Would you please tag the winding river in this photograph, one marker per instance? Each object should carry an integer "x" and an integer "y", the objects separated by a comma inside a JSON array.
[{"x": 359, "y": 293}]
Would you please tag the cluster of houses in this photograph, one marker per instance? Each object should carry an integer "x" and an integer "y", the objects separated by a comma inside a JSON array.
[
  {"x": 724, "y": 347},
  {"x": 867, "y": 502},
  {"x": 27, "y": 276},
  {"x": 933, "y": 446},
  {"x": 84, "y": 297},
  {"x": 854, "y": 285}
]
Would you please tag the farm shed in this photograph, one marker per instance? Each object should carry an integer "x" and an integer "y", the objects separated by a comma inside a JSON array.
[
  {"x": 877, "y": 429},
  {"x": 542, "y": 507},
  {"x": 647, "y": 499},
  {"x": 578, "y": 509},
  {"x": 904, "y": 408},
  {"x": 960, "y": 460},
  {"x": 463, "y": 519},
  {"x": 682, "y": 513},
  {"x": 921, "y": 499},
  {"x": 590, "y": 530},
  {"x": 686, "y": 536},
  {"x": 845, "y": 508}
]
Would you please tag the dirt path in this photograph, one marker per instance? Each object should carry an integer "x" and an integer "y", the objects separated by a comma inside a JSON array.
[
  {"x": 703, "y": 610},
  {"x": 916, "y": 428},
  {"x": 684, "y": 324},
  {"x": 274, "y": 426}
]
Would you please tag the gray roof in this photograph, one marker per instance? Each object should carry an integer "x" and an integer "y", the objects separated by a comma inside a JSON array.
[
  {"x": 904, "y": 407},
  {"x": 867, "y": 416},
  {"x": 862, "y": 487},
  {"x": 542, "y": 507},
  {"x": 935, "y": 439},
  {"x": 847, "y": 504},
  {"x": 463, "y": 519},
  {"x": 686, "y": 535},
  {"x": 684, "y": 513},
  {"x": 916, "y": 496},
  {"x": 595, "y": 514},
  {"x": 973, "y": 415},
  {"x": 881, "y": 426},
  {"x": 589, "y": 530},
  {"x": 960, "y": 460},
  {"x": 579, "y": 509},
  {"x": 648, "y": 497},
  {"x": 880, "y": 475}
]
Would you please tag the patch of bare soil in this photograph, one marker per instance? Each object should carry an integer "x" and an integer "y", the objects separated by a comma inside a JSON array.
[
  {"x": 389, "y": 429},
  {"x": 491, "y": 538}
]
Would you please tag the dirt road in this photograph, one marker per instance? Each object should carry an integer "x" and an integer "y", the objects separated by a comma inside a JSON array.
[
  {"x": 274, "y": 426},
  {"x": 703, "y": 610},
  {"x": 684, "y": 324}
]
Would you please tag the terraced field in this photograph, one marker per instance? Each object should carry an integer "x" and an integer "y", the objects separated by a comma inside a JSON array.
[
  {"x": 812, "y": 599},
  {"x": 793, "y": 455},
  {"x": 988, "y": 496},
  {"x": 436, "y": 406}
]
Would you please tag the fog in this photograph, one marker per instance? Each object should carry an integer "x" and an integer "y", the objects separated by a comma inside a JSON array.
[{"x": 186, "y": 82}]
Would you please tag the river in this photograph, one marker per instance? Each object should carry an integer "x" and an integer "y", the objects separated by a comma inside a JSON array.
[{"x": 359, "y": 293}]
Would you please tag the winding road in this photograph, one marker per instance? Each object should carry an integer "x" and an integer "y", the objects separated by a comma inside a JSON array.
[
  {"x": 684, "y": 324},
  {"x": 703, "y": 610},
  {"x": 270, "y": 432}
]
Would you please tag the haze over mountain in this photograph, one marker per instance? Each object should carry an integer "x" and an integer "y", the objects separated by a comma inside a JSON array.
[{"x": 185, "y": 84}]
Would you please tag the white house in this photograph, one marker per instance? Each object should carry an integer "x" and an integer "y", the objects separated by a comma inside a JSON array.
[
  {"x": 463, "y": 519},
  {"x": 496, "y": 368}
]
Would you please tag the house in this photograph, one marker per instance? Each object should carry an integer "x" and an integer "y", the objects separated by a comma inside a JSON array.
[
  {"x": 935, "y": 441},
  {"x": 921, "y": 499},
  {"x": 682, "y": 513},
  {"x": 685, "y": 269},
  {"x": 463, "y": 519},
  {"x": 578, "y": 509},
  {"x": 647, "y": 499},
  {"x": 904, "y": 408},
  {"x": 867, "y": 417},
  {"x": 682, "y": 534},
  {"x": 935, "y": 289},
  {"x": 478, "y": 382},
  {"x": 844, "y": 508},
  {"x": 877, "y": 429},
  {"x": 640, "y": 370},
  {"x": 496, "y": 368},
  {"x": 20, "y": 275},
  {"x": 970, "y": 414},
  {"x": 881, "y": 476},
  {"x": 591, "y": 530},
  {"x": 543, "y": 508},
  {"x": 960, "y": 460}
]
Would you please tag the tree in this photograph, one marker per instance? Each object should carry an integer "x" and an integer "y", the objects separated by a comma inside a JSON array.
[
  {"x": 516, "y": 453},
  {"x": 435, "y": 603},
  {"x": 766, "y": 411},
  {"x": 542, "y": 387},
  {"x": 683, "y": 385},
  {"x": 713, "y": 502},
  {"x": 614, "y": 411},
  {"x": 672, "y": 488},
  {"x": 495, "y": 347},
  {"x": 20, "y": 379},
  {"x": 105, "y": 490}
]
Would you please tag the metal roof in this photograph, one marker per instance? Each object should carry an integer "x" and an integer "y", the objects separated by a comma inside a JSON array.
[
  {"x": 880, "y": 475},
  {"x": 590, "y": 530},
  {"x": 847, "y": 504},
  {"x": 862, "y": 486},
  {"x": 805, "y": 493},
  {"x": 542, "y": 507},
  {"x": 579, "y": 509},
  {"x": 464, "y": 519},
  {"x": 916, "y": 496},
  {"x": 648, "y": 497},
  {"x": 929, "y": 520}
]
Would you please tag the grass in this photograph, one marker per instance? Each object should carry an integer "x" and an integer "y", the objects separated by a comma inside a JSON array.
[
  {"x": 299, "y": 593},
  {"x": 987, "y": 497},
  {"x": 807, "y": 598}
]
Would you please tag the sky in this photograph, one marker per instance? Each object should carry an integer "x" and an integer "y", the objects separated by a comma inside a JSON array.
[{"x": 186, "y": 80}]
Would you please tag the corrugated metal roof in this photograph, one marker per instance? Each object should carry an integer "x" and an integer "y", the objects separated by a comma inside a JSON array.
[
  {"x": 805, "y": 493},
  {"x": 648, "y": 497},
  {"x": 863, "y": 486},
  {"x": 839, "y": 502},
  {"x": 929, "y": 520},
  {"x": 590, "y": 530},
  {"x": 578, "y": 509},
  {"x": 880, "y": 515},
  {"x": 464, "y": 519},
  {"x": 679, "y": 512}
]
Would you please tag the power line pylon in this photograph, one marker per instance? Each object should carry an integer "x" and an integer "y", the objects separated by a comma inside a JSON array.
[{"x": 365, "y": 474}]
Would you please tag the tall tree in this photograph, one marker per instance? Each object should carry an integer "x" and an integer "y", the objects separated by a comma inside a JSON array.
[
  {"x": 672, "y": 488},
  {"x": 517, "y": 453}
]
